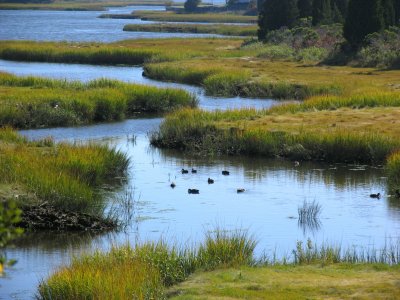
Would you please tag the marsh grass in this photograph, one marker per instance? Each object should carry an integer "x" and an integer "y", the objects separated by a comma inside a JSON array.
[
  {"x": 31, "y": 102},
  {"x": 309, "y": 216},
  {"x": 311, "y": 253},
  {"x": 143, "y": 271},
  {"x": 233, "y": 30},
  {"x": 65, "y": 176},
  {"x": 226, "y": 249},
  {"x": 223, "y": 132},
  {"x": 393, "y": 170},
  {"x": 170, "y": 16}
]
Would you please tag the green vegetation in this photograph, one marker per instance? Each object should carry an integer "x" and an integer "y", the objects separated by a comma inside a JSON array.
[
  {"x": 10, "y": 215},
  {"x": 393, "y": 169},
  {"x": 339, "y": 281},
  {"x": 32, "y": 102},
  {"x": 234, "y": 30},
  {"x": 78, "y": 5},
  {"x": 64, "y": 176},
  {"x": 147, "y": 270},
  {"x": 171, "y": 16},
  {"x": 144, "y": 270}
]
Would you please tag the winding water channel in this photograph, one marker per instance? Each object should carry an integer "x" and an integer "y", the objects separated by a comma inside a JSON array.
[{"x": 268, "y": 208}]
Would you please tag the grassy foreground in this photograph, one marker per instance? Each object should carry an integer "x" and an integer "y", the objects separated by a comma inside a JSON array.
[
  {"x": 341, "y": 281},
  {"x": 223, "y": 266},
  {"x": 32, "y": 102},
  {"x": 233, "y": 30},
  {"x": 171, "y": 16},
  {"x": 64, "y": 176}
]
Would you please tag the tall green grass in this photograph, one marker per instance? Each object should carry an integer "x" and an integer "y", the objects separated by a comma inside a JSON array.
[
  {"x": 31, "y": 102},
  {"x": 83, "y": 53},
  {"x": 393, "y": 169},
  {"x": 198, "y": 131},
  {"x": 233, "y": 30},
  {"x": 235, "y": 82},
  {"x": 63, "y": 175},
  {"x": 143, "y": 271}
]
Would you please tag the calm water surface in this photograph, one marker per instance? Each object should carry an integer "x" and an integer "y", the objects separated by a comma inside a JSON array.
[
  {"x": 274, "y": 188},
  {"x": 77, "y": 26}
]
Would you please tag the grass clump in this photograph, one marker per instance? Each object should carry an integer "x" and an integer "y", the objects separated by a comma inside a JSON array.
[
  {"x": 226, "y": 249},
  {"x": 393, "y": 169},
  {"x": 309, "y": 212},
  {"x": 119, "y": 274},
  {"x": 31, "y": 102},
  {"x": 143, "y": 271},
  {"x": 62, "y": 175},
  {"x": 232, "y": 30}
]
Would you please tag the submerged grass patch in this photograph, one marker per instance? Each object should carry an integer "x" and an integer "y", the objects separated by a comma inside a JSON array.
[
  {"x": 62, "y": 175},
  {"x": 31, "y": 102},
  {"x": 233, "y": 30}
]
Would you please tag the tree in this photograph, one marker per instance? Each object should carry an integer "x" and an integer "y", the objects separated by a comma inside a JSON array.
[
  {"x": 388, "y": 12},
  {"x": 363, "y": 17},
  {"x": 191, "y": 5},
  {"x": 305, "y": 8},
  {"x": 321, "y": 12},
  {"x": 276, "y": 14},
  {"x": 396, "y": 4}
]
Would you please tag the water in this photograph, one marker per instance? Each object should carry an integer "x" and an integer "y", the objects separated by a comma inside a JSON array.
[
  {"x": 77, "y": 26},
  {"x": 274, "y": 188},
  {"x": 127, "y": 74}
]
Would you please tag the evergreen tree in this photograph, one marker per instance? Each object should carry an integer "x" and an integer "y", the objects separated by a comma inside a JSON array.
[
  {"x": 276, "y": 14},
  {"x": 388, "y": 13},
  {"x": 321, "y": 12},
  {"x": 396, "y": 4},
  {"x": 305, "y": 8},
  {"x": 191, "y": 5},
  {"x": 342, "y": 6},
  {"x": 363, "y": 17}
]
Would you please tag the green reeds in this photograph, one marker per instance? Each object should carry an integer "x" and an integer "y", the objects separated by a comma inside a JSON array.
[
  {"x": 393, "y": 170},
  {"x": 143, "y": 271},
  {"x": 226, "y": 249},
  {"x": 170, "y": 16},
  {"x": 31, "y": 102},
  {"x": 232, "y": 30},
  {"x": 66, "y": 176},
  {"x": 200, "y": 131}
]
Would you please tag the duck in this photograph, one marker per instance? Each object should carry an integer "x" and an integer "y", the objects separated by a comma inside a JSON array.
[
  {"x": 210, "y": 181},
  {"x": 240, "y": 191},
  {"x": 184, "y": 171},
  {"x": 193, "y": 191},
  {"x": 378, "y": 195},
  {"x": 225, "y": 172},
  {"x": 296, "y": 163},
  {"x": 173, "y": 185},
  {"x": 194, "y": 171}
]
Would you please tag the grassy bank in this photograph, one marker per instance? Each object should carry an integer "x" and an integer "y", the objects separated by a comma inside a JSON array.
[
  {"x": 171, "y": 16},
  {"x": 32, "y": 102},
  {"x": 194, "y": 28},
  {"x": 341, "y": 135},
  {"x": 77, "y": 5},
  {"x": 62, "y": 175},
  {"x": 149, "y": 269},
  {"x": 224, "y": 67}
]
